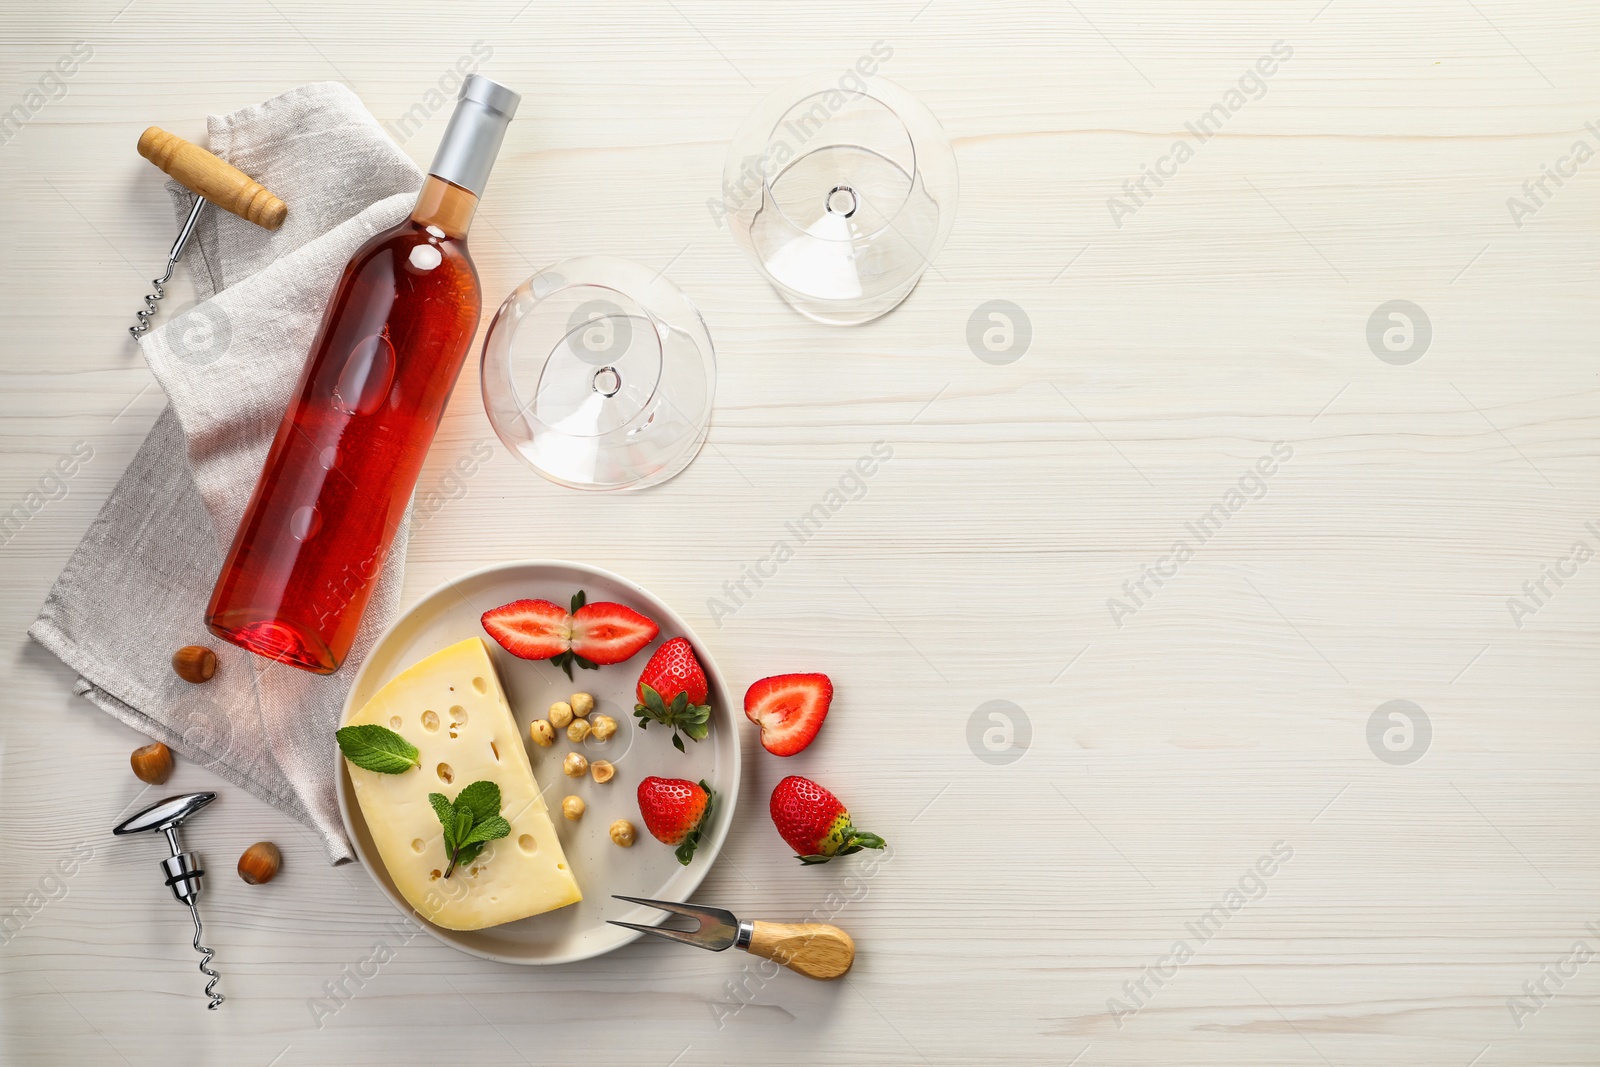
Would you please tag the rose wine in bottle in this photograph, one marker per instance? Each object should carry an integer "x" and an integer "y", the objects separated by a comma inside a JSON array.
[{"x": 336, "y": 483}]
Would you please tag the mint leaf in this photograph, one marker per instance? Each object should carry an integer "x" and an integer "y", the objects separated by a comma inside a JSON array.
[
  {"x": 488, "y": 830},
  {"x": 480, "y": 799},
  {"x": 377, "y": 748},
  {"x": 473, "y": 819},
  {"x": 446, "y": 814}
]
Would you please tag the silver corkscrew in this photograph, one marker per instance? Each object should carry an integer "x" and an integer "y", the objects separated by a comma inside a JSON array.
[
  {"x": 182, "y": 869},
  {"x": 212, "y": 181},
  {"x": 172, "y": 262}
]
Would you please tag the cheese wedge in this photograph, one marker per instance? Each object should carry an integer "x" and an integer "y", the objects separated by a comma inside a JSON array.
[{"x": 452, "y": 708}]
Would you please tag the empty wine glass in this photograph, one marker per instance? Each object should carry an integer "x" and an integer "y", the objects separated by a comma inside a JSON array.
[
  {"x": 599, "y": 373},
  {"x": 841, "y": 190}
]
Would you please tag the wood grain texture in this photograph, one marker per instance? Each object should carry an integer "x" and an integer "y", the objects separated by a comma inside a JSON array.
[
  {"x": 221, "y": 183},
  {"x": 816, "y": 950},
  {"x": 1172, "y": 755}
]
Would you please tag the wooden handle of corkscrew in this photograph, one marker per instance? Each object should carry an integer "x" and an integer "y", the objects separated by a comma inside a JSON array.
[
  {"x": 816, "y": 950},
  {"x": 223, "y": 184}
]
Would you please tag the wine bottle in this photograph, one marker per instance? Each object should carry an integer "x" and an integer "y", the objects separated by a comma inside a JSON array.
[{"x": 336, "y": 483}]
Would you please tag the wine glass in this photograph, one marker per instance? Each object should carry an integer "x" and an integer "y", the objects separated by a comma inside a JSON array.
[
  {"x": 841, "y": 190},
  {"x": 599, "y": 373}
]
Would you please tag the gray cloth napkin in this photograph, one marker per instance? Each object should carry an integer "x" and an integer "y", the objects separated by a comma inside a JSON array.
[{"x": 137, "y": 586}]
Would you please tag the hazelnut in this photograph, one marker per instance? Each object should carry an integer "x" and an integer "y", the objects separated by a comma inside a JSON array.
[
  {"x": 260, "y": 863},
  {"x": 560, "y": 714},
  {"x": 572, "y": 808},
  {"x": 622, "y": 833},
  {"x": 601, "y": 727},
  {"x": 582, "y": 704},
  {"x": 578, "y": 730},
  {"x": 602, "y": 770},
  {"x": 194, "y": 663},
  {"x": 542, "y": 733},
  {"x": 151, "y": 763},
  {"x": 575, "y": 765}
]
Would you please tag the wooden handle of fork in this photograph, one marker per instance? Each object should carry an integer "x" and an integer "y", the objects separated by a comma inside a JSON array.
[
  {"x": 223, "y": 184},
  {"x": 816, "y": 950}
]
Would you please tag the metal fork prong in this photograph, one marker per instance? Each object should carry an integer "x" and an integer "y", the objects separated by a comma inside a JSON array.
[
  {"x": 686, "y": 937},
  {"x": 693, "y": 911}
]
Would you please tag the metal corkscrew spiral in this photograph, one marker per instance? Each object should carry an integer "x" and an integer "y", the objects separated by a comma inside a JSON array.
[
  {"x": 182, "y": 869},
  {"x": 205, "y": 964},
  {"x": 172, "y": 262}
]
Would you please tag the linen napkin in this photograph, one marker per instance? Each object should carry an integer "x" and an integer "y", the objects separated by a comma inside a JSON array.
[{"x": 137, "y": 586}]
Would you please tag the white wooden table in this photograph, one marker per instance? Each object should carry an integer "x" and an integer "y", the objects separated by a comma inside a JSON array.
[{"x": 1214, "y": 724}]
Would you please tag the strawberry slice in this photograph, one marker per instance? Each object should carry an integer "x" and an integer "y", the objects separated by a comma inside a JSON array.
[
  {"x": 789, "y": 708},
  {"x": 589, "y": 635},
  {"x": 604, "y": 632},
  {"x": 530, "y": 629}
]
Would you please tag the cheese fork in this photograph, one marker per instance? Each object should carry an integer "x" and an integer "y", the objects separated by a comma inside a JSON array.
[{"x": 816, "y": 950}]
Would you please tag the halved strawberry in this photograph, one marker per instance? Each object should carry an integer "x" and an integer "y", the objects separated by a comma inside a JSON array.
[
  {"x": 530, "y": 629},
  {"x": 604, "y": 632},
  {"x": 675, "y": 811},
  {"x": 789, "y": 708},
  {"x": 588, "y": 635}
]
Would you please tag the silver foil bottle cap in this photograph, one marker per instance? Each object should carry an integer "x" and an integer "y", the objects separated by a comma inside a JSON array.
[{"x": 472, "y": 140}]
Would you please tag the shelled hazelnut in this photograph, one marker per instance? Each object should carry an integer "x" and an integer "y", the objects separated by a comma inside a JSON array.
[
  {"x": 602, "y": 771},
  {"x": 602, "y": 727},
  {"x": 578, "y": 730},
  {"x": 622, "y": 833},
  {"x": 575, "y": 765},
  {"x": 542, "y": 733},
  {"x": 560, "y": 714},
  {"x": 582, "y": 704},
  {"x": 573, "y": 808}
]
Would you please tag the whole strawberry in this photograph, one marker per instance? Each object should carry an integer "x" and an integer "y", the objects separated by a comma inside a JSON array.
[
  {"x": 814, "y": 823},
  {"x": 672, "y": 691},
  {"x": 676, "y": 811}
]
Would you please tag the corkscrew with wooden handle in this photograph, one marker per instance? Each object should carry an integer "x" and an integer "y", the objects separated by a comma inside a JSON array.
[
  {"x": 212, "y": 181},
  {"x": 816, "y": 950}
]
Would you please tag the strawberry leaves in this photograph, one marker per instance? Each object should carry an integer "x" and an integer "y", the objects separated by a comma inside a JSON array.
[
  {"x": 692, "y": 719},
  {"x": 566, "y": 660},
  {"x": 855, "y": 840},
  {"x": 470, "y": 822}
]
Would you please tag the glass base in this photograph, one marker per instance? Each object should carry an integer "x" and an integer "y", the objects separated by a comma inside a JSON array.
[
  {"x": 841, "y": 192},
  {"x": 599, "y": 374}
]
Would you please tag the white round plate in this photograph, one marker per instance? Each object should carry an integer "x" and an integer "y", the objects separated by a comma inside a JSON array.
[{"x": 451, "y": 613}]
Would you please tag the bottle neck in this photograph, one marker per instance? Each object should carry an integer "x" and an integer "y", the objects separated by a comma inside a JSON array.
[{"x": 445, "y": 206}]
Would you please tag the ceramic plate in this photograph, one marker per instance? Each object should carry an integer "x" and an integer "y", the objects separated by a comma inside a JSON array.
[{"x": 451, "y": 613}]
